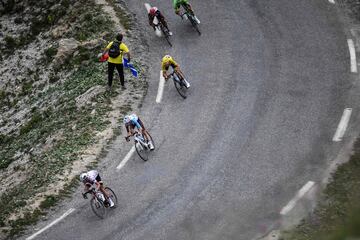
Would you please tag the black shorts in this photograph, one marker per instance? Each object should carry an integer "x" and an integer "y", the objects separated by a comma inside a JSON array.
[{"x": 172, "y": 65}]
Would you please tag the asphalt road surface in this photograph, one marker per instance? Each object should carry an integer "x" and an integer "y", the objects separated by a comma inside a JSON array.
[{"x": 269, "y": 82}]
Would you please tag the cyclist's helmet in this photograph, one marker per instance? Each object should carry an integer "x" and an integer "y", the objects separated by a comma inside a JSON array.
[
  {"x": 153, "y": 11},
  {"x": 167, "y": 58},
  {"x": 83, "y": 177},
  {"x": 127, "y": 119}
]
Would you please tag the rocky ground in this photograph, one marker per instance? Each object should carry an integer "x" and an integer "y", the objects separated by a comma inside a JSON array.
[{"x": 56, "y": 116}]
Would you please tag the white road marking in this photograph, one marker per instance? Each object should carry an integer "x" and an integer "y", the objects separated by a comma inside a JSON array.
[
  {"x": 126, "y": 158},
  {"x": 352, "y": 55},
  {"x": 332, "y": 1},
  {"x": 285, "y": 210},
  {"x": 340, "y": 131},
  {"x": 67, "y": 213},
  {"x": 161, "y": 88},
  {"x": 148, "y": 6}
]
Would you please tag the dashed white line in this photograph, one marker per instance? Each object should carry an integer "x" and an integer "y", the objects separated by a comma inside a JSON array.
[
  {"x": 67, "y": 213},
  {"x": 126, "y": 158},
  {"x": 306, "y": 188},
  {"x": 332, "y": 1},
  {"x": 352, "y": 55},
  {"x": 161, "y": 88},
  {"x": 340, "y": 131}
]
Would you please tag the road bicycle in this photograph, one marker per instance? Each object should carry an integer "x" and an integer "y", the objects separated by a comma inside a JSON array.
[
  {"x": 190, "y": 15},
  {"x": 163, "y": 29},
  {"x": 180, "y": 83},
  {"x": 98, "y": 203},
  {"x": 142, "y": 146}
]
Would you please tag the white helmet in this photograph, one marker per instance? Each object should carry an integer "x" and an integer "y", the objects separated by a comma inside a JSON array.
[
  {"x": 126, "y": 119},
  {"x": 83, "y": 176}
]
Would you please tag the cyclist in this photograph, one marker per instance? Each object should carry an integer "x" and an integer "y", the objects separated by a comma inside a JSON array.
[
  {"x": 89, "y": 179},
  {"x": 131, "y": 122},
  {"x": 154, "y": 12},
  {"x": 167, "y": 62},
  {"x": 177, "y": 5}
]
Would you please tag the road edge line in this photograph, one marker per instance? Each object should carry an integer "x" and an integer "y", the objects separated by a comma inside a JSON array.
[
  {"x": 306, "y": 188},
  {"x": 126, "y": 158},
  {"x": 352, "y": 56},
  {"x": 341, "y": 129},
  {"x": 67, "y": 213}
]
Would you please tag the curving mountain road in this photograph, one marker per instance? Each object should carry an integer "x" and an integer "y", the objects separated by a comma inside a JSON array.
[{"x": 270, "y": 80}]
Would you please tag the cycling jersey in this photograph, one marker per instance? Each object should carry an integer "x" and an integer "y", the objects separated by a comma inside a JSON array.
[
  {"x": 134, "y": 120},
  {"x": 166, "y": 62},
  {"x": 177, "y": 3},
  {"x": 119, "y": 59},
  {"x": 93, "y": 177}
]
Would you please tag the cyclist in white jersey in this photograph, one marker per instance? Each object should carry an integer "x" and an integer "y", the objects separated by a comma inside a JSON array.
[{"x": 92, "y": 178}]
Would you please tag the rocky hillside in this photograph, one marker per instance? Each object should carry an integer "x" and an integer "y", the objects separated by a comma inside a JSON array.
[{"x": 55, "y": 115}]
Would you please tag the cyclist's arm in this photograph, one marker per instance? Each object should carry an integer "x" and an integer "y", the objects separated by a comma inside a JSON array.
[
  {"x": 86, "y": 187},
  {"x": 151, "y": 20},
  {"x": 97, "y": 184},
  {"x": 164, "y": 71},
  {"x": 128, "y": 130}
]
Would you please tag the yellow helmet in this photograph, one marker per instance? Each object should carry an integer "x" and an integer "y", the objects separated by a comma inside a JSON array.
[{"x": 167, "y": 58}]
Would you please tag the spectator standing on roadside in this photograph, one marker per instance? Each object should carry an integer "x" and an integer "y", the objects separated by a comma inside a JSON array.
[{"x": 116, "y": 50}]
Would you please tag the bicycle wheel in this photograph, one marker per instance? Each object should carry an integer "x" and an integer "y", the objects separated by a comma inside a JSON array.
[
  {"x": 98, "y": 208},
  {"x": 142, "y": 151},
  {"x": 195, "y": 24},
  {"x": 151, "y": 139},
  {"x": 180, "y": 87},
  {"x": 166, "y": 35},
  {"x": 112, "y": 195}
]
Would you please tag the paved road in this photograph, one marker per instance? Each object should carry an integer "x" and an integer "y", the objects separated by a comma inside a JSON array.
[{"x": 269, "y": 83}]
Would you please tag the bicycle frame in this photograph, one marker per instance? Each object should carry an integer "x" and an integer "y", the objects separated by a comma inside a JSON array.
[{"x": 139, "y": 138}]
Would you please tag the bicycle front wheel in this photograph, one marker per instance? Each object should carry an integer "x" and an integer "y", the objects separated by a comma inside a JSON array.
[
  {"x": 142, "y": 151},
  {"x": 112, "y": 195},
  {"x": 180, "y": 87},
  {"x": 98, "y": 208}
]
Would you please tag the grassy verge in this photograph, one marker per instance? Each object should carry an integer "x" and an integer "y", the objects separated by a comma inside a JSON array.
[
  {"x": 58, "y": 131},
  {"x": 337, "y": 216}
]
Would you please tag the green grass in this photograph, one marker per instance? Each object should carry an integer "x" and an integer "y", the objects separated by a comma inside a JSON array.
[
  {"x": 337, "y": 216},
  {"x": 76, "y": 127},
  {"x": 122, "y": 14}
]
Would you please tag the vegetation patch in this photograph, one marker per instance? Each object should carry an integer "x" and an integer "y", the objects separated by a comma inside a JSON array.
[{"x": 337, "y": 216}]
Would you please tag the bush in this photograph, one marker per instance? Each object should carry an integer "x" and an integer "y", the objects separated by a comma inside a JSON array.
[
  {"x": 10, "y": 42},
  {"x": 50, "y": 52},
  {"x": 34, "y": 121}
]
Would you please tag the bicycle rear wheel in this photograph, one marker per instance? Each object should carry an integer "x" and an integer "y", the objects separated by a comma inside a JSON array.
[
  {"x": 142, "y": 151},
  {"x": 195, "y": 24},
  {"x": 180, "y": 87},
  {"x": 98, "y": 208},
  {"x": 112, "y": 195}
]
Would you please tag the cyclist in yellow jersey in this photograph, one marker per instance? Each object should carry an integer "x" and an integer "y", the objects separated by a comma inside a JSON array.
[{"x": 167, "y": 62}]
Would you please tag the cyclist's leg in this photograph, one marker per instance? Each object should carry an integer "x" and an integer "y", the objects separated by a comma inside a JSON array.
[
  {"x": 143, "y": 130},
  {"x": 101, "y": 187},
  {"x": 179, "y": 72},
  {"x": 161, "y": 18},
  {"x": 187, "y": 5}
]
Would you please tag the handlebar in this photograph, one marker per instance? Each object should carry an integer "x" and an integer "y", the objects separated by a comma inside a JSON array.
[{"x": 91, "y": 190}]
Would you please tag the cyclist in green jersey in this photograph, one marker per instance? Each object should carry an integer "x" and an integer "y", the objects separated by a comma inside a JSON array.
[{"x": 177, "y": 6}]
